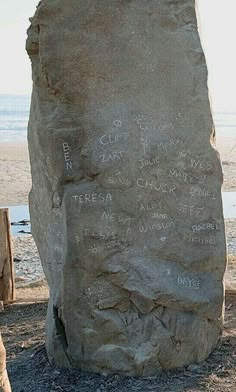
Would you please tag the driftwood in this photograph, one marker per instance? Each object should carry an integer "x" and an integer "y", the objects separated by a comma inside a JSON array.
[
  {"x": 7, "y": 284},
  {"x": 4, "y": 381}
]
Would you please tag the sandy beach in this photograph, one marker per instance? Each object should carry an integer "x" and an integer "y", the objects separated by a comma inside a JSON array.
[
  {"x": 226, "y": 146},
  {"x": 15, "y": 179}
]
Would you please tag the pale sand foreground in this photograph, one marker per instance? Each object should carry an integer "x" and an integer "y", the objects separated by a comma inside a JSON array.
[{"x": 15, "y": 180}]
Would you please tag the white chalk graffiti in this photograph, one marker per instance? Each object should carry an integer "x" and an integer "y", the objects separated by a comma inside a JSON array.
[
  {"x": 185, "y": 177},
  {"x": 199, "y": 240},
  {"x": 144, "y": 227},
  {"x": 190, "y": 210},
  {"x": 202, "y": 165},
  {"x": 112, "y": 156},
  {"x": 148, "y": 162},
  {"x": 118, "y": 179},
  {"x": 117, "y": 123},
  {"x": 144, "y": 142},
  {"x": 205, "y": 227},
  {"x": 144, "y": 126},
  {"x": 151, "y": 205},
  {"x": 110, "y": 139},
  {"x": 114, "y": 217},
  {"x": 77, "y": 238},
  {"x": 88, "y": 198},
  {"x": 189, "y": 283},
  {"x": 157, "y": 215},
  {"x": 93, "y": 249},
  {"x": 196, "y": 191},
  {"x": 184, "y": 153},
  {"x": 154, "y": 186},
  {"x": 67, "y": 156}
]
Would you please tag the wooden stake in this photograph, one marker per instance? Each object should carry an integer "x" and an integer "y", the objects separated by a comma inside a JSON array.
[
  {"x": 4, "y": 382},
  {"x": 7, "y": 281}
]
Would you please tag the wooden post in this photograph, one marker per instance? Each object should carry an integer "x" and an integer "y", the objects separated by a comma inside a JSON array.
[
  {"x": 7, "y": 282},
  {"x": 4, "y": 382}
]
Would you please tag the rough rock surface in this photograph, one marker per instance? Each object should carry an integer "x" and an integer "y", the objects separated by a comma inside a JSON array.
[{"x": 126, "y": 198}]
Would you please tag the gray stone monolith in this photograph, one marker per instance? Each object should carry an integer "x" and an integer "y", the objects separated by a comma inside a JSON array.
[{"x": 126, "y": 202}]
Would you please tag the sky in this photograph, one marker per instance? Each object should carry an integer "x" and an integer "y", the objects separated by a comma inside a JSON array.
[{"x": 218, "y": 35}]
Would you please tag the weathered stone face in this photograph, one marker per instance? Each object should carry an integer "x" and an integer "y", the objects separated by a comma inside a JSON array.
[{"x": 126, "y": 200}]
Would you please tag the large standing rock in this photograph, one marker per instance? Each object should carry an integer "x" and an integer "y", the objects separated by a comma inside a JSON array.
[{"x": 126, "y": 200}]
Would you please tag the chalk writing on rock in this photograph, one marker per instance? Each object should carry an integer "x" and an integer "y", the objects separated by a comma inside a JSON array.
[
  {"x": 199, "y": 240},
  {"x": 110, "y": 139},
  {"x": 108, "y": 246},
  {"x": 190, "y": 210},
  {"x": 112, "y": 156},
  {"x": 154, "y": 186},
  {"x": 189, "y": 283},
  {"x": 57, "y": 248},
  {"x": 59, "y": 235},
  {"x": 116, "y": 243},
  {"x": 146, "y": 227},
  {"x": 117, "y": 123},
  {"x": 114, "y": 217},
  {"x": 151, "y": 205},
  {"x": 167, "y": 145},
  {"x": 182, "y": 175},
  {"x": 111, "y": 240},
  {"x": 184, "y": 153},
  {"x": 144, "y": 125},
  {"x": 148, "y": 162},
  {"x": 163, "y": 239},
  {"x": 156, "y": 215},
  {"x": 205, "y": 227},
  {"x": 67, "y": 156},
  {"x": 93, "y": 249},
  {"x": 202, "y": 165},
  {"x": 196, "y": 191},
  {"x": 144, "y": 142},
  {"x": 90, "y": 198},
  {"x": 118, "y": 179},
  {"x": 77, "y": 239},
  {"x": 143, "y": 122}
]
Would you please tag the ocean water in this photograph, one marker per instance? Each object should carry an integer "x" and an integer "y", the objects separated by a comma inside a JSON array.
[
  {"x": 17, "y": 214},
  {"x": 14, "y": 115}
]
